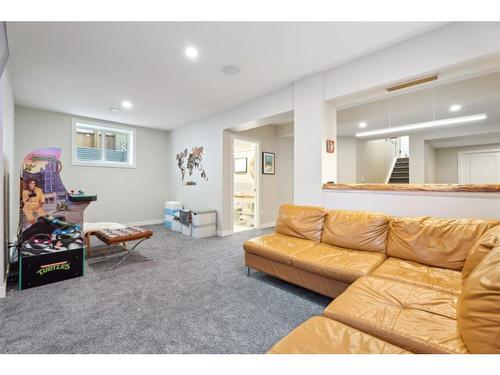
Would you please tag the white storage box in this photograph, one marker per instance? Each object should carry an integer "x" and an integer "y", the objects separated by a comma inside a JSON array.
[
  {"x": 176, "y": 226},
  {"x": 204, "y": 231},
  {"x": 186, "y": 229},
  {"x": 173, "y": 205},
  {"x": 201, "y": 218},
  {"x": 171, "y": 210},
  {"x": 169, "y": 217}
]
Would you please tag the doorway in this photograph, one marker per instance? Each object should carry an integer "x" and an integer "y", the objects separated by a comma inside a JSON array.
[
  {"x": 245, "y": 184},
  {"x": 479, "y": 167}
]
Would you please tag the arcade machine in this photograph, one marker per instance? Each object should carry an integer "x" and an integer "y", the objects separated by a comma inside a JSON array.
[{"x": 50, "y": 245}]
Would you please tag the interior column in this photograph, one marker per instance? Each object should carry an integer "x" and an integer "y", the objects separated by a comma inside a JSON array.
[{"x": 314, "y": 123}]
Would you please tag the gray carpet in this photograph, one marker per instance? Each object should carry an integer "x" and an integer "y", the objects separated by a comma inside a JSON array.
[{"x": 192, "y": 297}]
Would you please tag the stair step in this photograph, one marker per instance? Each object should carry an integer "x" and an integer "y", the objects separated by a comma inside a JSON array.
[{"x": 399, "y": 177}]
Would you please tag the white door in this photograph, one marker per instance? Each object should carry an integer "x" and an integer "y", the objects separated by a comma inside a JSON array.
[{"x": 479, "y": 167}]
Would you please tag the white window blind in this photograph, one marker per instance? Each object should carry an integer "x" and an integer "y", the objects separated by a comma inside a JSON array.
[{"x": 99, "y": 145}]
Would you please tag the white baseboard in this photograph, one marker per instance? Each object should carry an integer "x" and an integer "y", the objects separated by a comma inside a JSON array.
[
  {"x": 145, "y": 222},
  {"x": 224, "y": 233},
  {"x": 267, "y": 225},
  {"x": 3, "y": 289}
]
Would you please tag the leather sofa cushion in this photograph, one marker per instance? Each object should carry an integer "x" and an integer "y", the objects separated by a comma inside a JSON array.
[
  {"x": 487, "y": 241},
  {"x": 478, "y": 309},
  {"x": 435, "y": 242},
  {"x": 277, "y": 246},
  {"x": 320, "y": 335},
  {"x": 356, "y": 230},
  {"x": 301, "y": 221},
  {"x": 418, "y": 319},
  {"x": 337, "y": 263},
  {"x": 415, "y": 273}
]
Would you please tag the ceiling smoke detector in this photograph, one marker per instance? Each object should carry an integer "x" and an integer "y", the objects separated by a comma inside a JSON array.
[{"x": 230, "y": 70}]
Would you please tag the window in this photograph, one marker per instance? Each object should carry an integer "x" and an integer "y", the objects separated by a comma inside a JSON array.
[{"x": 100, "y": 145}]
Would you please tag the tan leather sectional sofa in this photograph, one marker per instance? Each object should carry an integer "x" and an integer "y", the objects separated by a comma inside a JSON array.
[{"x": 400, "y": 285}]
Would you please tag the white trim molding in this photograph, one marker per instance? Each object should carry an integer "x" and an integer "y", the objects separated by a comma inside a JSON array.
[
  {"x": 144, "y": 222},
  {"x": 267, "y": 225}
]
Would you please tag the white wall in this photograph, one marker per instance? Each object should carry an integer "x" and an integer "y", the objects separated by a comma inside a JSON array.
[
  {"x": 209, "y": 133},
  {"x": 362, "y": 161},
  {"x": 431, "y": 52},
  {"x": 446, "y": 161},
  {"x": 7, "y": 203},
  {"x": 346, "y": 158},
  {"x": 374, "y": 160},
  {"x": 451, "y": 45},
  {"x": 476, "y": 205},
  {"x": 314, "y": 122},
  {"x": 125, "y": 195},
  {"x": 276, "y": 189},
  {"x": 429, "y": 164}
]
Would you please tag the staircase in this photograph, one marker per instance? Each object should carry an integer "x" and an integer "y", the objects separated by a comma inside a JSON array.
[{"x": 401, "y": 172}]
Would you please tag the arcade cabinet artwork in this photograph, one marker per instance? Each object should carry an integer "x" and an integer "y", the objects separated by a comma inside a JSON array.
[{"x": 51, "y": 247}]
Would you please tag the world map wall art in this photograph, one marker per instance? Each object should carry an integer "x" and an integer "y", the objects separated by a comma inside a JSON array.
[{"x": 190, "y": 163}]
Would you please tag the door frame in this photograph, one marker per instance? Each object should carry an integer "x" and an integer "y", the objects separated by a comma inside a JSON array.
[
  {"x": 464, "y": 153},
  {"x": 257, "y": 179}
]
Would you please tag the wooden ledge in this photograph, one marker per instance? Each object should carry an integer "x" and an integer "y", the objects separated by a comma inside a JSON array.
[{"x": 467, "y": 188}]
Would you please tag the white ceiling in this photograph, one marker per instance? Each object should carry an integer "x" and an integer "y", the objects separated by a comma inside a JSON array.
[
  {"x": 476, "y": 95},
  {"x": 84, "y": 68}
]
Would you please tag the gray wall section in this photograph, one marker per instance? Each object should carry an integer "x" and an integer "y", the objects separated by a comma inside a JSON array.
[
  {"x": 125, "y": 195},
  {"x": 446, "y": 161}
]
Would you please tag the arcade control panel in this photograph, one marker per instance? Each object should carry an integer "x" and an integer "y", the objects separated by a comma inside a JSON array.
[{"x": 81, "y": 196}]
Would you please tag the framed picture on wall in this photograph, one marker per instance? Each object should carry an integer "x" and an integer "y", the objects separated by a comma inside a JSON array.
[
  {"x": 330, "y": 146},
  {"x": 268, "y": 163},
  {"x": 240, "y": 165}
]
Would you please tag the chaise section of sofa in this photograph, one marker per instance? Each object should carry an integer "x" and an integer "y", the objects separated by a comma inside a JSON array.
[
  {"x": 418, "y": 319},
  {"x": 320, "y": 335}
]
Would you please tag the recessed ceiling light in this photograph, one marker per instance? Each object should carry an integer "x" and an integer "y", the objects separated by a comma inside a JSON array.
[
  {"x": 126, "y": 104},
  {"x": 191, "y": 52},
  {"x": 114, "y": 109},
  {"x": 230, "y": 70},
  {"x": 362, "y": 125},
  {"x": 455, "y": 108}
]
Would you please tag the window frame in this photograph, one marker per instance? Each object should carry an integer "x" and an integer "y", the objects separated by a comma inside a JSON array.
[{"x": 104, "y": 127}]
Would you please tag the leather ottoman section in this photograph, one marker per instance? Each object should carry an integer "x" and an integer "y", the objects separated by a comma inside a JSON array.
[
  {"x": 418, "y": 319},
  {"x": 337, "y": 263},
  {"x": 320, "y": 335},
  {"x": 419, "y": 274},
  {"x": 311, "y": 281},
  {"x": 278, "y": 247}
]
